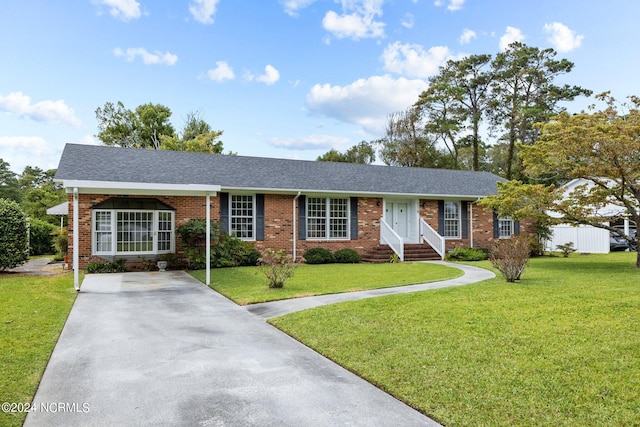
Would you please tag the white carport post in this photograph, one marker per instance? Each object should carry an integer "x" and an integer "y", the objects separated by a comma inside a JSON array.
[
  {"x": 208, "y": 240},
  {"x": 76, "y": 241}
]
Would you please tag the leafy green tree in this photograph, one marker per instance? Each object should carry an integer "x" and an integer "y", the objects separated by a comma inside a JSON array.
[
  {"x": 363, "y": 153},
  {"x": 196, "y": 136},
  {"x": 14, "y": 235},
  {"x": 455, "y": 103},
  {"x": 40, "y": 192},
  {"x": 34, "y": 177},
  {"x": 600, "y": 147},
  {"x": 142, "y": 128},
  {"x": 9, "y": 186},
  {"x": 524, "y": 93},
  {"x": 408, "y": 144}
]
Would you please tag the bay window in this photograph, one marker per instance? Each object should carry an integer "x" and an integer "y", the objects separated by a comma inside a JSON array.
[{"x": 125, "y": 227}]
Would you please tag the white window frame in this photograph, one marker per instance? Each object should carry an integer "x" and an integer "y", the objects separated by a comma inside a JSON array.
[
  {"x": 451, "y": 220},
  {"x": 328, "y": 229},
  {"x": 113, "y": 232},
  {"x": 511, "y": 225},
  {"x": 234, "y": 232}
]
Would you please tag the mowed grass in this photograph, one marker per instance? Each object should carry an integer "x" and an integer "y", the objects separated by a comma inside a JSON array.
[
  {"x": 33, "y": 310},
  {"x": 248, "y": 285},
  {"x": 562, "y": 347}
]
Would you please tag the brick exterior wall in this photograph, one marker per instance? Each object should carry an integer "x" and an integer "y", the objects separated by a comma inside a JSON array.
[{"x": 278, "y": 224}]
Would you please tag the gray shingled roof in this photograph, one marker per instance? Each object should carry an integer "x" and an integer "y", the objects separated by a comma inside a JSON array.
[{"x": 102, "y": 163}]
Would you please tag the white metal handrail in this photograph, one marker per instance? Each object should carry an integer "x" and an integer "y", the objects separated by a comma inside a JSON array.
[
  {"x": 390, "y": 237},
  {"x": 431, "y": 236}
]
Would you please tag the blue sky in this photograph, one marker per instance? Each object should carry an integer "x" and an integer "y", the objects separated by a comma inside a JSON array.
[{"x": 281, "y": 78}]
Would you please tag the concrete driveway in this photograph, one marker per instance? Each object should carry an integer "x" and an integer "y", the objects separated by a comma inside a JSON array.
[{"x": 163, "y": 349}]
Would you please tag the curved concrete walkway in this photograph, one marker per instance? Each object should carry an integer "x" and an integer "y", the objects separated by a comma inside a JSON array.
[
  {"x": 163, "y": 349},
  {"x": 279, "y": 308}
]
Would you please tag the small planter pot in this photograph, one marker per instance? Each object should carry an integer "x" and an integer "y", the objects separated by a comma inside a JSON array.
[{"x": 162, "y": 265}]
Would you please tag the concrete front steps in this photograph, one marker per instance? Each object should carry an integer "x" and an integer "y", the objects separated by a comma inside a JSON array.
[{"x": 382, "y": 253}]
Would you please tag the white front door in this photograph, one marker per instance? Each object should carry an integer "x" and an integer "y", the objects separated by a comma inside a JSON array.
[{"x": 397, "y": 216}]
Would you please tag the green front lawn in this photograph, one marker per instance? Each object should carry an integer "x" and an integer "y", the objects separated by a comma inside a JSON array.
[
  {"x": 562, "y": 347},
  {"x": 33, "y": 310},
  {"x": 247, "y": 285}
]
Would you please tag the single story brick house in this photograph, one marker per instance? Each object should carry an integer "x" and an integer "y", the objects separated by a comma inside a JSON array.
[{"x": 127, "y": 203}]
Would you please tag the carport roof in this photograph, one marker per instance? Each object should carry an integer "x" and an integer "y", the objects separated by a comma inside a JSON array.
[{"x": 89, "y": 163}]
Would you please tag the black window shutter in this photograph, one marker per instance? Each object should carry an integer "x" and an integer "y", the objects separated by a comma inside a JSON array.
[
  {"x": 354, "y": 218},
  {"x": 496, "y": 226},
  {"x": 464, "y": 215},
  {"x": 224, "y": 213},
  {"x": 441, "y": 217},
  {"x": 259, "y": 216},
  {"x": 516, "y": 227},
  {"x": 302, "y": 218}
]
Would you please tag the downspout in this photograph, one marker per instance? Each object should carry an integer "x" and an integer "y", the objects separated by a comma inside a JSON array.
[
  {"x": 76, "y": 241},
  {"x": 295, "y": 230},
  {"x": 208, "y": 239}
]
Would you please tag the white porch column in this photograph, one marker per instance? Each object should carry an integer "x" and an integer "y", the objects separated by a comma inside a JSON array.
[
  {"x": 76, "y": 241},
  {"x": 208, "y": 240}
]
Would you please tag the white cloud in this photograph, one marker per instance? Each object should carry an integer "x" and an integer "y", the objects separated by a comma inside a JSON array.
[
  {"x": 147, "y": 57},
  {"x": 311, "y": 142},
  {"x": 413, "y": 61},
  {"x": 291, "y": 7},
  {"x": 407, "y": 22},
  {"x": 124, "y": 10},
  {"x": 357, "y": 20},
  {"x": 270, "y": 76},
  {"x": 562, "y": 37},
  {"x": 22, "y": 151},
  {"x": 467, "y": 36},
  {"x": 365, "y": 102},
  {"x": 33, "y": 144},
  {"x": 452, "y": 6},
  {"x": 44, "y": 111},
  {"x": 511, "y": 35},
  {"x": 203, "y": 10},
  {"x": 86, "y": 140},
  {"x": 222, "y": 72}
]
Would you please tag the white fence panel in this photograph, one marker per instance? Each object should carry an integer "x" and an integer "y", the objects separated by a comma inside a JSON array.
[{"x": 586, "y": 239}]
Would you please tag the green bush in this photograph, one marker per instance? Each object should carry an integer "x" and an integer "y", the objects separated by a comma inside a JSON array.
[
  {"x": 117, "y": 266},
  {"x": 61, "y": 241},
  {"x": 230, "y": 251},
  {"x": 193, "y": 233},
  {"x": 277, "y": 267},
  {"x": 318, "y": 256},
  {"x": 14, "y": 235},
  {"x": 40, "y": 237},
  {"x": 467, "y": 254},
  {"x": 347, "y": 256}
]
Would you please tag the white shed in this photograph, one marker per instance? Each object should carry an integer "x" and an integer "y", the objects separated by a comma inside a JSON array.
[{"x": 586, "y": 238}]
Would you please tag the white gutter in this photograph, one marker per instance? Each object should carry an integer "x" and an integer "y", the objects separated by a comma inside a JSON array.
[
  {"x": 295, "y": 230},
  {"x": 76, "y": 242},
  {"x": 311, "y": 191}
]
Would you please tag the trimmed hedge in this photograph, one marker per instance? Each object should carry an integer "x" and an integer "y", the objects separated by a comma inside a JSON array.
[
  {"x": 14, "y": 235},
  {"x": 347, "y": 256},
  {"x": 40, "y": 237},
  {"x": 318, "y": 256},
  {"x": 467, "y": 254}
]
